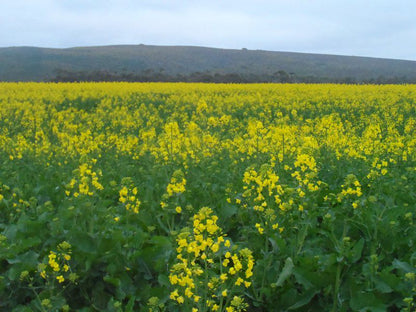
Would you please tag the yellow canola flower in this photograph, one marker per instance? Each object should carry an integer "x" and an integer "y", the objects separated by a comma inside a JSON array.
[
  {"x": 203, "y": 250},
  {"x": 176, "y": 187},
  {"x": 184, "y": 124},
  {"x": 57, "y": 266},
  {"x": 127, "y": 196}
]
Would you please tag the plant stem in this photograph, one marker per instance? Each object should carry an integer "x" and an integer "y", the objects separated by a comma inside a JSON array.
[{"x": 338, "y": 274}]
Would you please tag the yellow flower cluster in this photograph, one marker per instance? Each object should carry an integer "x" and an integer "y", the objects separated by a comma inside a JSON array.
[
  {"x": 306, "y": 174},
  {"x": 266, "y": 194},
  {"x": 351, "y": 189},
  {"x": 175, "y": 188},
  {"x": 14, "y": 198},
  {"x": 128, "y": 197},
  {"x": 247, "y": 121},
  {"x": 209, "y": 268},
  {"x": 263, "y": 191},
  {"x": 4, "y": 189},
  {"x": 379, "y": 168},
  {"x": 237, "y": 305},
  {"x": 257, "y": 137},
  {"x": 177, "y": 184},
  {"x": 87, "y": 181},
  {"x": 57, "y": 266},
  {"x": 262, "y": 185}
]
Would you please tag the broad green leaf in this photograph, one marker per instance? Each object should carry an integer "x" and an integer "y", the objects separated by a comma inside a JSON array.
[
  {"x": 302, "y": 279},
  {"x": 163, "y": 280},
  {"x": 111, "y": 280},
  {"x": 228, "y": 211},
  {"x": 404, "y": 266},
  {"x": 286, "y": 272},
  {"x": 363, "y": 302},
  {"x": 130, "y": 305},
  {"x": 382, "y": 286},
  {"x": 28, "y": 258},
  {"x": 357, "y": 250},
  {"x": 83, "y": 242},
  {"x": 304, "y": 299}
]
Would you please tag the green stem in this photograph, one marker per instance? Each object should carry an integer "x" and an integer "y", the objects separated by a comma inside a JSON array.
[
  {"x": 302, "y": 238},
  {"x": 40, "y": 301},
  {"x": 266, "y": 269},
  {"x": 206, "y": 285},
  {"x": 338, "y": 274},
  {"x": 337, "y": 285},
  {"x": 172, "y": 223},
  {"x": 222, "y": 298}
]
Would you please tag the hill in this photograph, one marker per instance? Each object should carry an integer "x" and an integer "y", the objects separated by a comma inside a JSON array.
[{"x": 187, "y": 63}]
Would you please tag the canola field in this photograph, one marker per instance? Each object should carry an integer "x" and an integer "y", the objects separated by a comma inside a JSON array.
[{"x": 202, "y": 197}]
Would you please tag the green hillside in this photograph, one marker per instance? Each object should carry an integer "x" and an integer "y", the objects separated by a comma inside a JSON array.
[{"x": 44, "y": 64}]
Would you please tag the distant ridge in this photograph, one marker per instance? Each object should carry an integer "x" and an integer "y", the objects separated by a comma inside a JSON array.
[{"x": 189, "y": 63}]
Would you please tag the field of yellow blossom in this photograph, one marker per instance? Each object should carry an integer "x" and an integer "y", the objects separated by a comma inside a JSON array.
[{"x": 203, "y": 197}]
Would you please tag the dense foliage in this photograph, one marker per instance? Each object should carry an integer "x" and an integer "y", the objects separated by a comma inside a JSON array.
[
  {"x": 279, "y": 76},
  {"x": 199, "y": 197}
]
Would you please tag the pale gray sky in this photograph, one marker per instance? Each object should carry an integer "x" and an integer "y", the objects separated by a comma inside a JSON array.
[{"x": 354, "y": 27}]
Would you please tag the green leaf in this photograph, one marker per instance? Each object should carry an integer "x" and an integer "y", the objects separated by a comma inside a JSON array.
[
  {"x": 274, "y": 245},
  {"x": 404, "y": 266},
  {"x": 287, "y": 299},
  {"x": 390, "y": 279},
  {"x": 361, "y": 301},
  {"x": 162, "y": 242},
  {"x": 302, "y": 279},
  {"x": 304, "y": 299},
  {"x": 163, "y": 280},
  {"x": 83, "y": 242},
  {"x": 29, "y": 242},
  {"x": 227, "y": 211},
  {"x": 14, "y": 272},
  {"x": 130, "y": 305},
  {"x": 157, "y": 253},
  {"x": 111, "y": 280},
  {"x": 286, "y": 272},
  {"x": 28, "y": 258},
  {"x": 357, "y": 250},
  {"x": 21, "y": 308},
  {"x": 382, "y": 286}
]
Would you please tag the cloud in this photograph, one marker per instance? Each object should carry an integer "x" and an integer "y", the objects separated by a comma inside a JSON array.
[{"x": 380, "y": 29}]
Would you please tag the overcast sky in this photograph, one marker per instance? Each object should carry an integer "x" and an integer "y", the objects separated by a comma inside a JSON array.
[{"x": 383, "y": 28}]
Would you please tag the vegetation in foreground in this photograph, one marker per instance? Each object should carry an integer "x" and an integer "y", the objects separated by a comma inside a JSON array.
[{"x": 195, "y": 197}]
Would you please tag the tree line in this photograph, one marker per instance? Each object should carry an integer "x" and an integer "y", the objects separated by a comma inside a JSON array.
[{"x": 150, "y": 75}]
